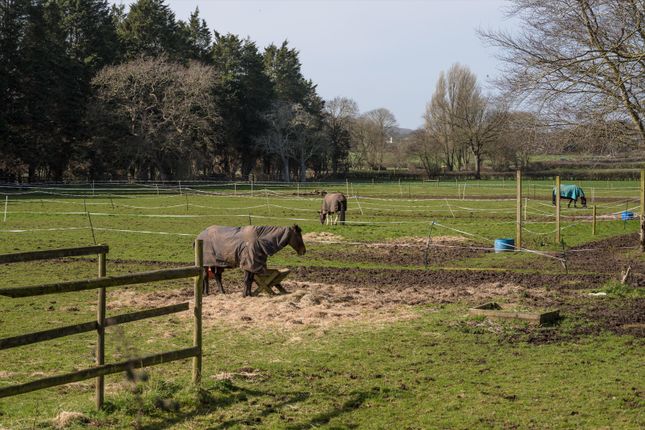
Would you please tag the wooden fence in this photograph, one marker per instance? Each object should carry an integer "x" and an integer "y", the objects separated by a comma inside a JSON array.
[{"x": 101, "y": 283}]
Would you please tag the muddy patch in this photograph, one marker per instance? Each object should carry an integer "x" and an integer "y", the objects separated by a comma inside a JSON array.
[
  {"x": 444, "y": 279},
  {"x": 404, "y": 252},
  {"x": 611, "y": 255}
]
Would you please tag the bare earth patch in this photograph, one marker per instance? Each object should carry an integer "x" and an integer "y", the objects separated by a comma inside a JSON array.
[
  {"x": 311, "y": 304},
  {"x": 307, "y": 304},
  {"x": 423, "y": 241},
  {"x": 322, "y": 236}
]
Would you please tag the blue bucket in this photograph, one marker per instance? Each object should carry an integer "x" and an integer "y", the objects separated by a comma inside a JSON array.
[
  {"x": 626, "y": 215},
  {"x": 504, "y": 245}
]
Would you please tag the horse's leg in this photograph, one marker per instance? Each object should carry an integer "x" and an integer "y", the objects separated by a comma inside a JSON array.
[
  {"x": 569, "y": 205},
  {"x": 205, "y": 286},
  {"x": 248, "y": 282},
  {"x": 218, "y": 279}
]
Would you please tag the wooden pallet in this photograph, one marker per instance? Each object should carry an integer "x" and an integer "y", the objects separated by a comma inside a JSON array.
[
  {"x": 272, "y": 278},
  {"x": 494, "y": 310}
]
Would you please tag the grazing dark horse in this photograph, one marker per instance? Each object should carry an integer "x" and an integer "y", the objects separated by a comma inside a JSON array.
[
  {"x": 571, "y": 192},
  {"x": 333, "y": 204},
  {"x": 247, "y": 248}
]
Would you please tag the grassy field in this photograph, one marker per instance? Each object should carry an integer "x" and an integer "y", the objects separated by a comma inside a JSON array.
[{"x": 389, "y": 345}]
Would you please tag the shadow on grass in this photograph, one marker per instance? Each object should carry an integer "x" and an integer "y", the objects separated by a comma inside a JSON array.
[
  {"x": 256, "y": 419},
  {"x": 355, "y": 402},
  {"x": 208, "y": 403}
]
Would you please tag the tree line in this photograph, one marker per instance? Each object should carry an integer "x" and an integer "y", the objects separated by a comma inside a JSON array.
[{"x": 90, "y": 91}]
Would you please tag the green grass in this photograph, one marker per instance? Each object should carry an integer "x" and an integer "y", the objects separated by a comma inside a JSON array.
[
  {"x": 432, "y": 372},
  {"x": 134, "y": 226},
  {"x": 442, "y": 369}
]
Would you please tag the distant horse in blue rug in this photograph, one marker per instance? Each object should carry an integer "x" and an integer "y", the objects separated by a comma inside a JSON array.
[{"x": 571, "y": 192}]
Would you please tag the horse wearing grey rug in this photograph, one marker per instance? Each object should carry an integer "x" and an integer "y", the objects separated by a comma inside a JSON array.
[
  {"x": 247, "y": 248},
  {"x": 333, "y": 205}
]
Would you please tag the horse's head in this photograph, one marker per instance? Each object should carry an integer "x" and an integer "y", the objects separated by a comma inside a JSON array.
[
  {"x": 295, "y": 239},
  {"x": 583, "y": 200},
  {"x": 323, "y": 216}
]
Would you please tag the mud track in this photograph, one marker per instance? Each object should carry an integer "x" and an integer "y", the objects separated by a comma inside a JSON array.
[{"x": 324, "y": 296}]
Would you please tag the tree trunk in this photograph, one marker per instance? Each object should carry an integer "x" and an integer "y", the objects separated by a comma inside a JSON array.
[
  {"x": 285, "y": 169},
  {"x": 478, "y": 162},
  {"x": 303, "y": 170}
]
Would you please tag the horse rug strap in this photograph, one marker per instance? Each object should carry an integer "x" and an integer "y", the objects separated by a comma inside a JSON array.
[
  {"x": 334, "y": 202},
  {"x": 245, "y": 247}
]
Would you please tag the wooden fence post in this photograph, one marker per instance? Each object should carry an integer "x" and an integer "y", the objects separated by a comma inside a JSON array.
[
  {"x": 518, "y": 225},
  {"x": 197, "y": 310},
  {"x": 557, "y": 209},
  {"x": 100, "y": 328},
  {"x": 593, "y": 221},
  {"x": 642, "y": 210}
]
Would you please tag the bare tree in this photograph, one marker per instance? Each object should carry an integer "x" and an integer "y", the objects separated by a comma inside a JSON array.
[
  {"x": 427, "y": 147},
  {"x": 340, "y": 118},
  {"x": 575, "y": 58},
  {"x": 481, "y": 125},
  {"x": 438, "y": 122},
  {"x": 520, "y": 137},
  {"x": 360, "y": 143},
  {"x": 378, "y": 128},
  {"x": 281, "y": 134},
  {"x": 461, "y": 119},
  {"x": 168, "y": 108},
  {"x": 308, "y": 138}
]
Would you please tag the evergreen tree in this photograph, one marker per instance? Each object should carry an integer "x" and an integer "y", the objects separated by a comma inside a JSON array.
[
  {"x": 41, "y": 89},
  {"x": 196, "y": 38},
  {"x": 14, "y": 15},
  {"x": 150, "y": 29},
  {"x": 90, "y": 33},
  {"x": 244, "y": 95},
  {"x": 283, "y": 67}
]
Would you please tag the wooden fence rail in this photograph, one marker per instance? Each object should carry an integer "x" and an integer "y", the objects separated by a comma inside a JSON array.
[
  {"x": 40, "y": 336},
  {"x": 94, "y": 372},
  {"x": 108, "y": 281},
  {"x": 101, "y": 283},
  {"x": 53, "y": 253}
]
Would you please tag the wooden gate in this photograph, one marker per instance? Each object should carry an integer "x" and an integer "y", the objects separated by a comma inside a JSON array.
[{"x": 101, "y": 283}]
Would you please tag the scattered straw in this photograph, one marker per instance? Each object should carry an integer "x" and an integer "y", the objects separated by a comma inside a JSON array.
[
  {"x": 65, "y": 419},
  {"x": 309, "y": 304},
  {"x": 322, "y": 236}
]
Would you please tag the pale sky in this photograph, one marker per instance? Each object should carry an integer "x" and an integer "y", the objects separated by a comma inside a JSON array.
[{"x": 379, "y": 53}]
